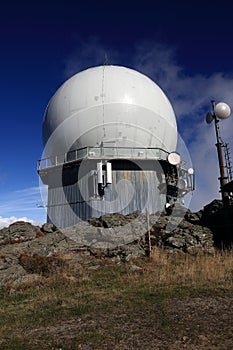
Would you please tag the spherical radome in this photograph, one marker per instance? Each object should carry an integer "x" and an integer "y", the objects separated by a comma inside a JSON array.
[
  {"x": 222, "y": 110},
  {"x": 110, "y": 105}
]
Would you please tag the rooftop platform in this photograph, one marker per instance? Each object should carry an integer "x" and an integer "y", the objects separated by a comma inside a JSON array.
[{"x": 101, "y": 153}]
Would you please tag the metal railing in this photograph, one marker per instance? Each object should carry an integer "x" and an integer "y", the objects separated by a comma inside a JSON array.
[{"x": 101, "y": 153}]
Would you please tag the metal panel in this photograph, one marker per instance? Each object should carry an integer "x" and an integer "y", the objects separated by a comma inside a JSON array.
[{"x": 130, "y": 190}]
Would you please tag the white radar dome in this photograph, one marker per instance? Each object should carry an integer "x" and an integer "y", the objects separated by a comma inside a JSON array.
[
  {"x": 109, "y": 105},
  {"x": 222, "y": 110}
]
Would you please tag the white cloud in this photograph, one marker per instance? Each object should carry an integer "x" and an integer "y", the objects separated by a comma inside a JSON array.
[
  {"x": 5, "y": 222},
  {"x": 188, "y": 92},
  {"x": 22, "y": 204}
]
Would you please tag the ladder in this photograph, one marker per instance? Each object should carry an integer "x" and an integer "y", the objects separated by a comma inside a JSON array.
[{"x": 228, "y": 161}]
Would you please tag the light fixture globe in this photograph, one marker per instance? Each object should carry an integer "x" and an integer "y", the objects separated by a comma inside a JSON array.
[
  {"x": 222, "y": 110},
  {"x": 190, "y": 171}
]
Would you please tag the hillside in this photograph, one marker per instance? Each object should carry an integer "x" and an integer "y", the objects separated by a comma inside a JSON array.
[{"x": 88, "y": 288}]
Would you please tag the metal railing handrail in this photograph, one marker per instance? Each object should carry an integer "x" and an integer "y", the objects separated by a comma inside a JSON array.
[{"x": 98, "y": 152}]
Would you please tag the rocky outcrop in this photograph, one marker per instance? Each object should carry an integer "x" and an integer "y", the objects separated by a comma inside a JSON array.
[
  {"x": 22, "y": 231},
  {"x": 218, "y": 219},
  {"x": 174, "y": 233},
  {"x": 186, "y": 236},
  {"x": 113, "y": 220},
  {"x": 18, "y": 232},
  {"x": 26, "y": 249}
]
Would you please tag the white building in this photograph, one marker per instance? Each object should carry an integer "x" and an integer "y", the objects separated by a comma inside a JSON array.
[{"x": 110, "y": 137}]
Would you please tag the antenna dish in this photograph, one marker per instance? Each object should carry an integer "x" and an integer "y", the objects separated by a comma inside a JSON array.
[
  {"x": 222, "y": 110},
  {"x": 174, "y": 158},
  {"x": 209, "y": 118},
  {"x": 182, "y": 184}
]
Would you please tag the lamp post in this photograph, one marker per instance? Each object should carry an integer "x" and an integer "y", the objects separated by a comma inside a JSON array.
[{"x": 220, "y": 111}]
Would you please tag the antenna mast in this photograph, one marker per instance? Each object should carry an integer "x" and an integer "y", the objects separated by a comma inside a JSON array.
[{"x": 222, "y": 111}]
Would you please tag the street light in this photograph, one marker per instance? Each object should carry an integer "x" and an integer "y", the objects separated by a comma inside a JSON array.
[{"x": 220, "y": 111}]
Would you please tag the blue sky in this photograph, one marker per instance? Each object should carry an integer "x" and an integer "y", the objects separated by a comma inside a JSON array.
[{"x": 184, "y": 46}]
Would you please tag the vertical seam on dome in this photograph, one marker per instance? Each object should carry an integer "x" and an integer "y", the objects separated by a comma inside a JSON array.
[{"x": 103, "y": 100}]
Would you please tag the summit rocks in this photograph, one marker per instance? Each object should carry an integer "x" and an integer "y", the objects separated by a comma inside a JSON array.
[{"x": 28, "y": 251}]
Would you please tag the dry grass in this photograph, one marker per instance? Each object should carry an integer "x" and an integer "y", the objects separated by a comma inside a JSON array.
[
  {"x": 197, "y": 270},
  {"x": 41, "y": 264},
  {"x": 109, "y": 305}
]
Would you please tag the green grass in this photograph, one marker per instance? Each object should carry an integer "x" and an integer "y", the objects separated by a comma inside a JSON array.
[{"x": 112, "y": 305}]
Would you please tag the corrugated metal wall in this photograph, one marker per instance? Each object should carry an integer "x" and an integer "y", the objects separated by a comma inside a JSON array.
[{"x": 130, "y": 190}]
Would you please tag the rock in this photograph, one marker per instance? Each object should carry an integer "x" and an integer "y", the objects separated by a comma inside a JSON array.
[
  {"x": 48, "y": 228},
  {"x": 185, "y": 338},
  {"x": 95, "y": 222},
  {"x": 11, "y": 274},
  {"x": 128, "y": 252},
  {"x": 12, "y": 251},
  {"x": 181, "y": 234},
  {"x": 135, "y": 269},
  {"x": 220, "y": 222},
  {"x": 50, "y": 244},
  {"x": 203, "y": 338},
  {"x": 124, "y": 252},
  {"x": 175, "y": 241},
  {"x": 134, "y": 215},
  {"x": 194, "y": 218},
  {"x": 87, "y": 235},
  {"x": 113, "y": 220},
  {"x": 17, "y": 232},
  {"x": 213, "y": 207}
]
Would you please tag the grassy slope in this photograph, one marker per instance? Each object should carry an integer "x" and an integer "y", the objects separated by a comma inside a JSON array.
[{"x": 174, "y": 302}]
